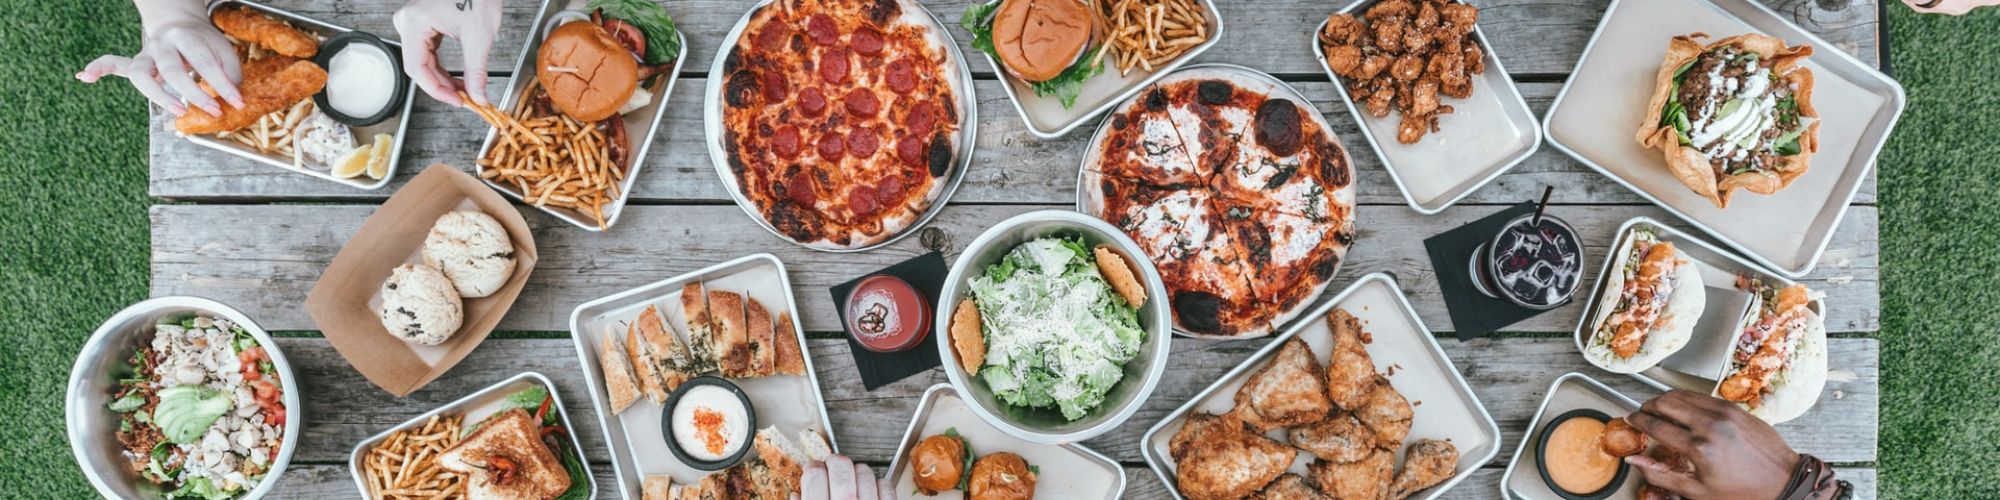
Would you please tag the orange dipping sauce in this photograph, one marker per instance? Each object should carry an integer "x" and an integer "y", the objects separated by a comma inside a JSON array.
[{"x": 1574, "y": 459}]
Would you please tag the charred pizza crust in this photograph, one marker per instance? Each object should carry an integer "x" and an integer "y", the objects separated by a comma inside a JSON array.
[
  {"x": 1249, "y": 221},
  {"x": 840, "y": 118}
]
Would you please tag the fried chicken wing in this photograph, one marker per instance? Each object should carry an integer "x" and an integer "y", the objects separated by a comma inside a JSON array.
[
  {"x": 1288, "y": 391},
  {"x": 1427, "y": 463},
  {"x": 1350, "y": 373},
  {"x": 1365, "y": 479},
  {"x": 1340, "y": 439},
  {"x": 1387, "y": 414},
  {"x": 1290, "y": 487},
  {"x": 1216, "y": 458},
  {"x": 254, "y": 27},
  {"x": 269, "y": 84}
]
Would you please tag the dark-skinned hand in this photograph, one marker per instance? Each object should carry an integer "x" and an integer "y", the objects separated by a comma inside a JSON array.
[{"x": 1735, "y": 455}]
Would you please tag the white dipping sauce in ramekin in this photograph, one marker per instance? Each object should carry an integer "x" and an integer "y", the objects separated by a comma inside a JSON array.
[
  {"x": 710, "y": 423},
  {"x": 360, "y": 80}
]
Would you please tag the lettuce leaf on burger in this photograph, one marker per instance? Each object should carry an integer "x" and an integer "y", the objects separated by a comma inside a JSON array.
[{"x": 1051, "y": 44}]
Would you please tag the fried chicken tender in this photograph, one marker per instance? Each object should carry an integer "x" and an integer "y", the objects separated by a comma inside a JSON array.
[
  {"x": 1290, "y": 487},
  {"x": 1427, "y": 463},
  {"x": 1350, "y": 373},
  {"x": 269, "y": 84},
  {"x": 1365, "y": 479},
  {"x": 1216, "y": 458},
  {"x": 1386, "y": 413},
  {"x": 1290, "y": 390},
  {"x": 254, "y": 27},
  {"x": 1340, "y": 438}
]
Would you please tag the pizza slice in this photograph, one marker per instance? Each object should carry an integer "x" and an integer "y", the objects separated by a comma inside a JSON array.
[
  {"x": 1152, "y": 216},
  {"x": 1144, "y": 146},
  {"x": 1210, "y": 286},
  {"x": 1294, "y": 257}
]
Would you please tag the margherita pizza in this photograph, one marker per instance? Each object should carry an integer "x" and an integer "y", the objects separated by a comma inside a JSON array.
[
  {"x": 840, "y": 118},
  {"x": 1235, "y": 188}
]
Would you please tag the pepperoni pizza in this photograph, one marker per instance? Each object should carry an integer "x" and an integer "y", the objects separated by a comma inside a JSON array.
[
  {"x": 1235, "y": 188},
  {"x": 840, "y": 118}
]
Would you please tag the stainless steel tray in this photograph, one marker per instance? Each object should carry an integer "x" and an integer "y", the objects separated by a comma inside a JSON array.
[
  {"x": 394, "y": 125},
  {"x": 968, "y": 106},
  {"x": 1488, "y": 135},
  {"x": 1449, "y": 409},
  {"x": 1698, "y": 366},
  {"x": 473, "y": 408},
  {"x": 1598, "y": 110},
  {"x": 1090, "y": 192},
  {"x": 1046, "y": 117},
  {"x": 1067, "y": 471},
  {"x": 633, "y": 437},
  {"x": 1569, "y": 392},
  {"x": 643, "y": 123}
]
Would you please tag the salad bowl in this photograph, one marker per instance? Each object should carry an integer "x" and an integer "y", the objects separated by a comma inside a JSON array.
[{"x": 1140, "y": 374}]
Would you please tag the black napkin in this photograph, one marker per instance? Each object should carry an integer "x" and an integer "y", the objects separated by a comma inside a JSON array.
[
  {"x": 1474, "y": 314},
  {"x": 925, "y": 273}
]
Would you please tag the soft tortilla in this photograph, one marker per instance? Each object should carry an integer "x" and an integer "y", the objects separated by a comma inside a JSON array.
[
  {"x": 1670, "y": 333},
  {"x": 1689, "y": 164},
  {"x": 1797, "y": 388}
]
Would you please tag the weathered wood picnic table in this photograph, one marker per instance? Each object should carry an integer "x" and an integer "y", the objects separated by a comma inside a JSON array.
[{"x": 258, "y": 237}]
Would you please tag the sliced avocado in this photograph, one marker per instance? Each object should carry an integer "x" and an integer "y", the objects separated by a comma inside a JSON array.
[{"x": 185, "y": 412}]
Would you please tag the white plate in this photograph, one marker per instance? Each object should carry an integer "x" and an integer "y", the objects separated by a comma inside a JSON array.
[
  {"x": 1067, "y": 471},
  {"x": 1599, "y": 110},
  {"x": 1444, "y": 405},
  {"x": 638, "y": 448}
]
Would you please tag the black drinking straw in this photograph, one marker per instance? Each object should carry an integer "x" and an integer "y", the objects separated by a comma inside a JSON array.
[{"x": 1546, "y": 191}]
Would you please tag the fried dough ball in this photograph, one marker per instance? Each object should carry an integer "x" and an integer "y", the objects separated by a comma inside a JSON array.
[{"x": 1621, "y": 440}]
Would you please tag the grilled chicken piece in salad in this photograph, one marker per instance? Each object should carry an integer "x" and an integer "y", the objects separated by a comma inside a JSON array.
[{"x": 1734, "y": 114}]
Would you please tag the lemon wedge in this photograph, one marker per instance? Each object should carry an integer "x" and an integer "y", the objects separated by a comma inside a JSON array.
[
  {"x": 378, "y": 156},
  {"x": 352, "y": 164}
]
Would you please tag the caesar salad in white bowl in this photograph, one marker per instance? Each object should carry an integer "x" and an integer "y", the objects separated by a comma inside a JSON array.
[{"x": 1055, "y": 326}]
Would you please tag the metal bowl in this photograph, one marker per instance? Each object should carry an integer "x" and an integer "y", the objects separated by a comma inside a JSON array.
[
  {"x": 93, "y": 428},
  {"x": 1142, "y": 373}
]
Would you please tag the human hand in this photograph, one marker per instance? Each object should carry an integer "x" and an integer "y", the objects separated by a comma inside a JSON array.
[
  {"x": 839, "y": 478},
  {"x": 1735, "y": 455},
  {"x": 1952, "y": 7},
  {"x": 421, "y": 24},
  {"x": 178, "y": 37}
]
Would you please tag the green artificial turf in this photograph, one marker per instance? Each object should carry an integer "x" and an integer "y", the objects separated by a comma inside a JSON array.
[
  {"x": 1940, "y": 206},
  {"x": 74, "y": 241}
]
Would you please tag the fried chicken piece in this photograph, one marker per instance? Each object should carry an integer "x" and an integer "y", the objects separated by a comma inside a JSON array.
[
  {"x": 1290, "y": 487},
  {"x": 1216, "y": 458},
  {"x": 1415, "y": 40},
  {"x": 1290, "y": 390},
  {"x": 1459, "y": 17},
  {"x": 1387, "y": 414},
  {"x": 1475, "y": 59},
  {"x": 1350, "y": 373},
  {"x": 1391, "y": 8},
  {"x": 254, "y": 27},
  {"x": 1427, "y": 16},
  {"x": 1388, "y": 35},
  {"x": 1412, "y": 128},
  {"x": 267, "y": 87},
  {"x": 1343, "y": 29},
  {"x": 1621, "y": 440},
  {"x": 1408, "y": 67},
  {"x": 1674, "y": 462},
  {"x": 1373, "y": 66},
  {"x": 1340, "y": 438},
  {"x": 1427, "y": 463},
  {"x": 1344, "y": 60},
  {"x": 1365, "y": 479},
  {"x": 1423, "y": 97},
  {"x": 1379, "y": 101}
]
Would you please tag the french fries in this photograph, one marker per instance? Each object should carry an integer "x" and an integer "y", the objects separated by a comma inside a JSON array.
[
  {"x": 273, "y": 133},
  {"x": 404, "y": 465},
  {"x": 552, "y": 160},
  {"x": 1145, "y": 34}
]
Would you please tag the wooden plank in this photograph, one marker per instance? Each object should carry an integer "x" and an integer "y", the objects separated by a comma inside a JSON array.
[
  {"x": 1010, "y": 165},
  {"x": 264, "y": 259},
  {"x": 1508, "y": 375},
  {"x": 1542, "y": 37},
  {"x": 332, "y": 481}
]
